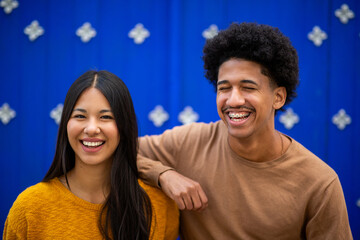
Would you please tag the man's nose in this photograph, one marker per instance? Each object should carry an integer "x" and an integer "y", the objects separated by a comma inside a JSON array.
[{"x": 236, "y": 98}]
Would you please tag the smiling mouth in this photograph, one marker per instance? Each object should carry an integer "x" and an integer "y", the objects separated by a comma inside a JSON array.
[
  {"x": 237, "y": 117},
  {"x": 92, "y": 144}
]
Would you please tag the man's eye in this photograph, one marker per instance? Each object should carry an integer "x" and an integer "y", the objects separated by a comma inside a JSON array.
[
  {"x": 249, "y": 88},
  {"x": 223, "y": 88}
]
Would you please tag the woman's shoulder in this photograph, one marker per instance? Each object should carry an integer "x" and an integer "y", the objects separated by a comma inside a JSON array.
[
  {"x": 156, "y": 195},
  {"x": 39, "y": 190},
  {"x": 28, "y": 202},
  {"x": 34, "y": 196},
  {"x": 165, "y": 213}
]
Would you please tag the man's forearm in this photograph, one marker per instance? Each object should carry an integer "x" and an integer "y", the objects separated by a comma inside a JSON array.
[{"x": 150, "y": 170}]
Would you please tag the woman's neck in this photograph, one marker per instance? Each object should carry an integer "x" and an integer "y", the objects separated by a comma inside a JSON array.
[{"x": 91, "y": 183}]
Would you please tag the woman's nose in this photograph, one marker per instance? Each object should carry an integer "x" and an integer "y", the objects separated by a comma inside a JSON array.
[{"x": 92, "y": 128}]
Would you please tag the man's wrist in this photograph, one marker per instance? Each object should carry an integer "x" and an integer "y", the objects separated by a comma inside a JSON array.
[{"x": 170, "y": 169}]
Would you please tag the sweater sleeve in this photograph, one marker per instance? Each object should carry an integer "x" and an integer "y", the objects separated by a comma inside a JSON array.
[
  {"x": 165, "y": 217},
  {"x": 15, "y": 224},
  {"x": 8, "y": 232},
  {"x": 328, "y": 215}
]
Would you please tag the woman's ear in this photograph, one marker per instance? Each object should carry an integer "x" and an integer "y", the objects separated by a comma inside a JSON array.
[{"x": 280, "y": 97}]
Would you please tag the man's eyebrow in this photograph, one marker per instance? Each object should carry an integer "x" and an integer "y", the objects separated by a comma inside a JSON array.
[
  {"x": 249, "y": 81},
  {"x": 242, "y": 81},
  {"x": 222, "y": 82}
]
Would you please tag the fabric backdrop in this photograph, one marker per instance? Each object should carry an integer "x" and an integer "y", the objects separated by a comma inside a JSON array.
[{"x": 156, "y": 48}]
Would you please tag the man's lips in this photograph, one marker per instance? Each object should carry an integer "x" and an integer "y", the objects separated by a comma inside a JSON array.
[
  {"x": 238, "y": 114},
  {"x": 239, "y": 109}
]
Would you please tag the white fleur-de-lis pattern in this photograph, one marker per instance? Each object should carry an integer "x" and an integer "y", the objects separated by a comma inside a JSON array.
[
  {"x": 9, "y": 5},
  {"x": 317, "y": 36},
  {"x": 210, "y": 32},
  {"x": 86, "y": 32},
  {"x": 188, "y": 115},
  {"x": 56, "y": 113},
  {"x": 344, "y": 13},
  {"x": 139, "y": 33},
  {"x": 289, "y": 118},
  {"x": 158, "y": 116},
  {"x": 34, "y": 30},
  {"x": 341, "y": 119},
  {"x": 6, "y": 113}
]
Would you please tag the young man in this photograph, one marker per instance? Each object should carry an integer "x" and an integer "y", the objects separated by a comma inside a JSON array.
[{"x": 241, "y": 177}]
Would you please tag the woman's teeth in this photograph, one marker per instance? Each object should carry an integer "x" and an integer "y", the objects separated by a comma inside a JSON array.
[{"x": 92, "y": 144}]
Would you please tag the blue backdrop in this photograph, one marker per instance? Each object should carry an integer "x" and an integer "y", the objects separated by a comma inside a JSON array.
[{"x": 163, "y": 69}]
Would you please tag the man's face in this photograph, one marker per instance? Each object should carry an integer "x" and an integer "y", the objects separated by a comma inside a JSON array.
[{"x": 246, "y": 101}]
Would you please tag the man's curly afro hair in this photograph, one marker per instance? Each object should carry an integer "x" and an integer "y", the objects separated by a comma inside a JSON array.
[{"x": 262, "y": 44}]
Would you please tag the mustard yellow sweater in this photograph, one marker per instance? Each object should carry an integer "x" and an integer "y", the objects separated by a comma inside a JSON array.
[{"x": 51, "y": 211}]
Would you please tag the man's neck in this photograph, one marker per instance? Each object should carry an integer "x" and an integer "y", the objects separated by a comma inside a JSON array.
[{"x": 260, "y": 149}]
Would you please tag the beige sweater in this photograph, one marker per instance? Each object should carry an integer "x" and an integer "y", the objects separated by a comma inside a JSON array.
[
  {"x": 296, "y": 196},
  {"x": 51, "y": 211}
]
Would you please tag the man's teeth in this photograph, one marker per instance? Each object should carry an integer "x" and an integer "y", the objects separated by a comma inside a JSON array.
[
  {"x": 92, "y": 144},
  {"x": 238, "y": 115}
]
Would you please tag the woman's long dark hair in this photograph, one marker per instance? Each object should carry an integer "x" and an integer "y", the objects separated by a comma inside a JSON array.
[{"x": 127, "y": 208}]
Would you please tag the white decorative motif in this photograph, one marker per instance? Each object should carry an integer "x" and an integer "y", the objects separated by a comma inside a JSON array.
[
  {"x": 344, "y": 13},
  {"x": 317, "y": 36},
  {"x": 86, "y": 32},
  {"x": 158, "y": 116},
  {"x": 34, "y": 30},
  {"x": 210, "y": 32},
  {"x": 56, "y": 113},
  {"x": 188, "y": 116},
  {"x": 341, "y": 119},
  {"x": 6, "y": 113},
  {"x": 139, "y": 33},
  {"x": 289, "y": 118},
  {"x": 9, "y": 5}
]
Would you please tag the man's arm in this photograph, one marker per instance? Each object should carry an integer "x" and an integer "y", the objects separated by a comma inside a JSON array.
[
  {"x": 329, "y": 218},
  {"x": 157, "y": 160},
  {"x": 187, "y": 194},
  {"x": 150, "y": 170}
]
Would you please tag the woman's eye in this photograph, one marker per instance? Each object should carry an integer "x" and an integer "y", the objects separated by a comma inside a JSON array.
[
  {"x": 79, "y": 116},
  {"x": 107, "y": 117}
]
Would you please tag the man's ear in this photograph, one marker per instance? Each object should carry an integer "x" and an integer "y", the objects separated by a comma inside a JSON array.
[{"x": 280, "y": 97}]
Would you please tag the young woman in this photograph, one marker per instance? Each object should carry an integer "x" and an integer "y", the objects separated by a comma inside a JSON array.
[{"x": 91, "y": 190}]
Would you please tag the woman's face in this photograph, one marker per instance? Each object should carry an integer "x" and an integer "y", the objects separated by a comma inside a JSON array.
[{"x": 92, "y": 130}]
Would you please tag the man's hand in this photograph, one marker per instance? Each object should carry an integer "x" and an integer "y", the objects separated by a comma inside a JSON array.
[{"x": 187, "y": 193}]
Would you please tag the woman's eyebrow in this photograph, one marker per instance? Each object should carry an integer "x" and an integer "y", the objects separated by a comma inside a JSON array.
[
  {"x": 105, "y": 110},
  {"x": 80, "y": 110}
]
